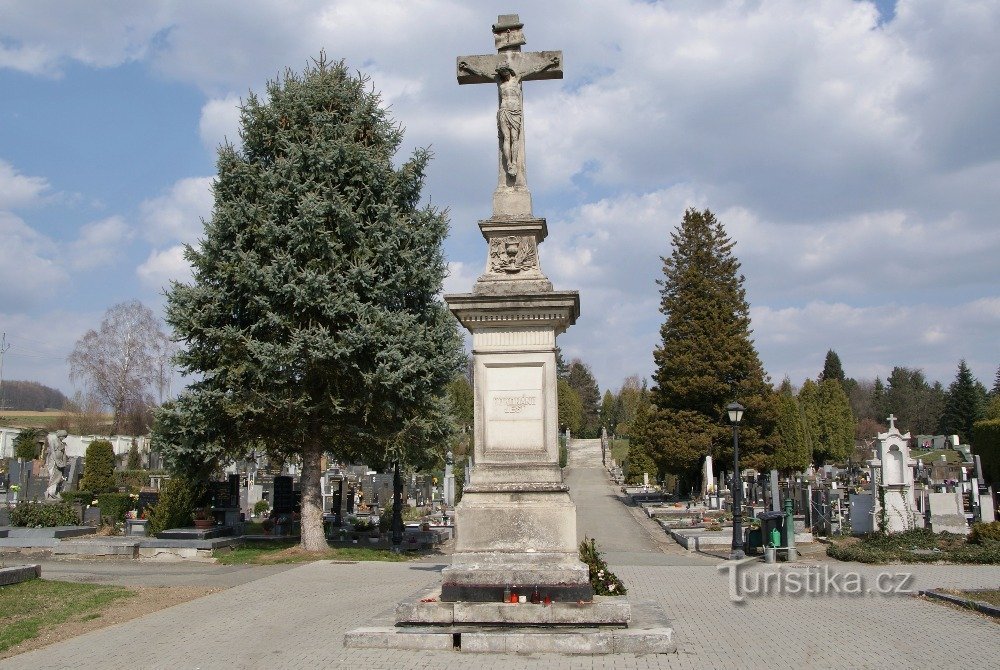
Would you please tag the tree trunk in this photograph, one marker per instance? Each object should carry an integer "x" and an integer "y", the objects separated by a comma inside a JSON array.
[{"x": 313, "y": 538}]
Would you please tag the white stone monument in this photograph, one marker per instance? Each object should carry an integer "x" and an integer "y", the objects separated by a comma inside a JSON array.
[
  {"x": 516, "y": 524},
  {"x": 707, "y": 478},
  {"x": 892, "y": 481}
]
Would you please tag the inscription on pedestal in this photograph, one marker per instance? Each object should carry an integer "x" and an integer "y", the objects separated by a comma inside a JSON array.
[{"x": 514, "y": 416}]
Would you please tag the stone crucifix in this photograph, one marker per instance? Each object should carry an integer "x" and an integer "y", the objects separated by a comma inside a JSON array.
[{"x": 508, "y": 69}]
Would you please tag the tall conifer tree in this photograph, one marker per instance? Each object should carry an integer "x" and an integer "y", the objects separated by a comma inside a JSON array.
[
  {"x": 313, "y": 322},
  {"x": 964, "y": 405},
  {"x": 706, "y": 358},
  {"x": 832, "y": 368}
]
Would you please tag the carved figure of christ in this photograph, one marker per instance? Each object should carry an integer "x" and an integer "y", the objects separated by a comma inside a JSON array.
[{"x": 507, "y": 70}]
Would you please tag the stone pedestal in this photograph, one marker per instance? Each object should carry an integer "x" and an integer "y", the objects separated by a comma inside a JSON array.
[{"x": 516, "y": 522}]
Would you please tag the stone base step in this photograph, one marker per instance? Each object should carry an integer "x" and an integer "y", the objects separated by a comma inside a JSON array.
[
  {"x": 525, "y": 640},
  {"x": 560, "y": 628}
]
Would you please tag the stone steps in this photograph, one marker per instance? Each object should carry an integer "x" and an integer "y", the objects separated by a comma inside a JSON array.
[{"x": 584, "y": 453}]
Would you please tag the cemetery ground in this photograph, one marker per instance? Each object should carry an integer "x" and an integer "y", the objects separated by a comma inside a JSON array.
[{"x": 295, "y": 615}]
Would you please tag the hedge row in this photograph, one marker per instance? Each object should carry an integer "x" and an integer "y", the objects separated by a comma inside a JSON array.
[
  {"x": 46, "y": 515},
  {"x": 986, "y": 443}
]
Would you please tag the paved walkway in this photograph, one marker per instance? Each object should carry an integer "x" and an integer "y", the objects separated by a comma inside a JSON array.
[
  {"x": 625, "y": 535},
  {"x": 296, "y": 618}
]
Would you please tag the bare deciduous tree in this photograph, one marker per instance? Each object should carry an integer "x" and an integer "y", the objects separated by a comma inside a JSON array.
[{"x": 122, "y": 360}]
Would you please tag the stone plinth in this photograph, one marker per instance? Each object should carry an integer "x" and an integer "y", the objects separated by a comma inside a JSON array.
[{"x": 516, "y": 522}]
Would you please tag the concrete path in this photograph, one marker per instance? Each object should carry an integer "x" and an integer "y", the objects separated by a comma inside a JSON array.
[
  {"x": 297, "y": 619},
  {"x": 625, "y": 535},
  {"x": 154, "y": 573}
]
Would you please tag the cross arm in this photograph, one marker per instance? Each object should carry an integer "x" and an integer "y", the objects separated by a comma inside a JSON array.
[
  {"x": 529, "y": 66},
  {"x": 478, "y": 69}
]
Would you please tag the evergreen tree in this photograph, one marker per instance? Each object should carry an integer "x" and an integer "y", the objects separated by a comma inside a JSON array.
[
  {"x": 134, "y": 460},
  {"x": 879, "y": 410},
  {"x": 832, "y": 369},
  {"x": 995, "y": 391},
  {"x": 609, "y": 412},
  {"x": 631, "y": 395},
  {"x": 462, "y": 399},
  {"x": 707, "y": 358},
  {"x": 570, "y": 408},
  {"x": 313, "y": 321},
  {"x": 916, "y": 404},
  {"x": 582, "y": 380},
  {"x": 562, "y": 369},
  {"x": 964, "y": 405},
  {"x": 828, "y": 420},
  {"x": 99, "y": 468},
  {"x": 795, "y": 452}
]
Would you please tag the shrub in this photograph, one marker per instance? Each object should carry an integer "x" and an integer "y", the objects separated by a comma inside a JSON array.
[
  {"x": 46, "y": 515},
  {"x": 385, "y": 519},
  {"x": 603, "y": 581},
  {"x": 563, "y": 455},
  {"x": 134, "y": 462},
  {"x": 83, "y": 497},
  {"x": 174, "y": 507},
  {"x": 26, "y": 444},
  {"x": 114, "y": 505},
  {"x": 363, "y": 525},
  {"x": 99, "y": 468},
  {"x": 985, "y": 533},
  {"x": 131, "y": 480},
  {"x": 260, "y": 507}
]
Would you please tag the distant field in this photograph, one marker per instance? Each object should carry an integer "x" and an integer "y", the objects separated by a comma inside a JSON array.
[{"x": 17, "y": 418}]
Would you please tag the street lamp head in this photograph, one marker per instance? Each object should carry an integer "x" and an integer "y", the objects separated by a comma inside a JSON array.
[{"x": 735, "y": 411}]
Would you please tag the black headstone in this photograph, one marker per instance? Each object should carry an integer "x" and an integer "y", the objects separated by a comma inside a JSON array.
[
  {"x": 147, "y": 501},
  {"x": 284, "y": 496}
]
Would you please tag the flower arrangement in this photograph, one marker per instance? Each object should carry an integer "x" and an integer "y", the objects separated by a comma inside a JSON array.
[{"x": 603, "y": 581}]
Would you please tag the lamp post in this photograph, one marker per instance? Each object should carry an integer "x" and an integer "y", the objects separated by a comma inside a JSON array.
[{"x": 735, "y": 411}]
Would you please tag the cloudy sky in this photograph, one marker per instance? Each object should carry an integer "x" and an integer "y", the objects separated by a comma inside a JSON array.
[{"x": 850, "y": 148}]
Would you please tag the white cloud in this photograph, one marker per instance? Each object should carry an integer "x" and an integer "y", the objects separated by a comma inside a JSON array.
[
  {"x": 872, "y": 340},
  {"x": 40, "y": 36},
  {"x": 220, "y": 121},
  {"x": 163, "y": 266},
  {"x": 460, "y": 278},
  {"x": 17, "y": 190},
  {"x": 177, "y": 215},
  {"x": 856, "y": 164},
  {"x": 99, "y": 244},
  {"x": 29, "y": 271}
]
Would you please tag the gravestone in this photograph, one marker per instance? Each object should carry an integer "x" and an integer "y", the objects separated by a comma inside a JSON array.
[
  {"x": 147, "y": 501},
  {"x": 284, "y": 496},
  {"x": 707, "y": 478},
  {"x": 946, "y": 513},
  {"x": 862, "y": 507},
  {"x": 892, "y": 481}
]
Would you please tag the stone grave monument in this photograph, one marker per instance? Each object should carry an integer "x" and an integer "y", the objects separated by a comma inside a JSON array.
[
  {"x": 516, "y": 524},
  {"x": 892, "y": 481}
]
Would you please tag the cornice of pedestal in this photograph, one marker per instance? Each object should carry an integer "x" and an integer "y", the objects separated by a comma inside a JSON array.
[
  {"x": 498, "y": 226},
  {"x": 556, "y": 309}
]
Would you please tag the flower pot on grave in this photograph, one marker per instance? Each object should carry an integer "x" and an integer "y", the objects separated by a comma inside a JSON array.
[{"x": 203, "y": 524}]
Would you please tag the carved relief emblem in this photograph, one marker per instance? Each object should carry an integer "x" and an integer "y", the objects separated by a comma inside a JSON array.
[{"x": 512, "y": 254}]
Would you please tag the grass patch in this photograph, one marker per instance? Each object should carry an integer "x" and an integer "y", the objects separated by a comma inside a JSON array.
[
  {"x": 991, "y": 596},
  {"x": 914, "y": 546},
  {"x": 268, "y": 553},
  {"x": 28, "y": 608}
]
